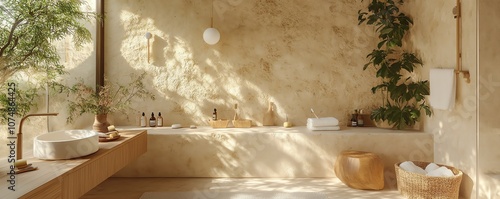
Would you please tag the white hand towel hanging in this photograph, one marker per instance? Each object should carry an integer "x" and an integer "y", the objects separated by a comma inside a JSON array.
[{"x": 442, "y": 88}]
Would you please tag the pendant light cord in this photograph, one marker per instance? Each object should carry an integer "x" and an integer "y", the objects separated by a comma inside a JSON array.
[{"x": 212, "y": 16}]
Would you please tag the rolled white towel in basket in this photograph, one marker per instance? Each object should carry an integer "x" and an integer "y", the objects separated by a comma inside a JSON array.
[
  {"x": 441, "y": 172},
  {"x": 431, "y": 167},
  {"x": 411, "y": 167},
  {"x": 322, "y": 121}
]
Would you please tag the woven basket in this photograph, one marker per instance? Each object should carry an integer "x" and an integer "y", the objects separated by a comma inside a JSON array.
[
  {"x": 219, "y": 123},
  {"x": 242, "y": 123},
  {"x": 415, "y": 185}
]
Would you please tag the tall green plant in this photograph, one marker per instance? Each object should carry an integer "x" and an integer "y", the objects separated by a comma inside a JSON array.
[
  {"x": 27, "y": 31},
  {"x": 405, "y": 98}
]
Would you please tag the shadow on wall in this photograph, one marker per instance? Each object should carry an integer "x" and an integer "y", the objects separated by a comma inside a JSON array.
[{"x": 269, "y": 51}]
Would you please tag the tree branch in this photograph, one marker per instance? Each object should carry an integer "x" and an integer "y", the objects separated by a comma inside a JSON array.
[
  {"x": 16, "y": 42},
  {"x": 11, "y": 34},
  {"x": 6, "y": 11},
  {"x": 27, "y": 55}
]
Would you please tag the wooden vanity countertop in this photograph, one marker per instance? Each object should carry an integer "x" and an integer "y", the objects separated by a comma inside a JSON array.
[{"x": 57, "y": 178}]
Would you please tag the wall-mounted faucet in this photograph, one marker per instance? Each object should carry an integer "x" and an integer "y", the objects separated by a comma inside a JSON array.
[{"x": 19, "y": 151}]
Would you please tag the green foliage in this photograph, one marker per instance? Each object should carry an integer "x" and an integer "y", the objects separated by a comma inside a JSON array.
[
  {"x": 27, "y": 31},
  {"x": 390, "y": 23},
  {"x": 405, "y": 99},
  {"x": 111, "y": 97},
  {"x": 24, "y": 100}
]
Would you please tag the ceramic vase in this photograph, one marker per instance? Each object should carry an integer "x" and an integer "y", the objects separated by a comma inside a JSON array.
[{"x": 101, "y": 123}]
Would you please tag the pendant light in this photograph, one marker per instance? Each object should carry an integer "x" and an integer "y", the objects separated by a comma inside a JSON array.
[{"x": 211, "y": 35}]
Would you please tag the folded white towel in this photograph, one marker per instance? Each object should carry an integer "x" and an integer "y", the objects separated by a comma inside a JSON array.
[
  {"x": 431, "y": 167},
  {"x": 323, "y": 121},
  {"x": 411, "y": 167},
  {"x": 323, "y": 128},
  {"x": 441, "y": 172}
]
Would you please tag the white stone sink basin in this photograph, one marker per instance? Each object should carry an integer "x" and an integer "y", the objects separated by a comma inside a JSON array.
[{"x": 65, "y": 144}]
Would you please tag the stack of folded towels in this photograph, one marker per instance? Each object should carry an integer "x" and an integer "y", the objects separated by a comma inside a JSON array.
[
  {"x": 430, "y": 170},
  {"x": 323, "y": 124}
]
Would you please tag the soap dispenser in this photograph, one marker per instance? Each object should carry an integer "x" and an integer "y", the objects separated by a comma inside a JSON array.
[
  {"x": 152, "y": 120},
  {"x": 159, "y": 121},
  {"x": 143, "y": 120},
  {"x": 214, "y": 115}
]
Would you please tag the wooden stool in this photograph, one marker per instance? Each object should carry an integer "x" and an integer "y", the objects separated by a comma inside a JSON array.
[{"x": 360, "y": 170}]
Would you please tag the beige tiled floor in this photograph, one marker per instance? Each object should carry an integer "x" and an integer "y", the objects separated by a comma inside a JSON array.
[{"x": 124, "y": 188}]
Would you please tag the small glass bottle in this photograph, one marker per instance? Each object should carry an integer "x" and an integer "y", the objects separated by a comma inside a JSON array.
[
  {"x": 354, "y": 118},
  {"x": 360, "y": 118},
  {"x": 143, "y": 120},
  {"x": 152, "y": 120},
  {"x": 159, "y": 121},
  {"x": 214, "y": 115}
]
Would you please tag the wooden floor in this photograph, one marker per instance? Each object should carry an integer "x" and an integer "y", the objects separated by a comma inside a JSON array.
[{"x": 124, "y": 188}]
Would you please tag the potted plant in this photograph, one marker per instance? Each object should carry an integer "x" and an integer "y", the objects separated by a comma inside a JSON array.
[
  {"x": 111, "y": 97},
  {"x": 404, "y": 96}
]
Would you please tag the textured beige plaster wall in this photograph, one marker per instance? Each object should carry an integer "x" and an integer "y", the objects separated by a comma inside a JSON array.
[
  {"x": 297, "y": 54},
  {"x": 433, "y": 36},
  {"x": 489, "y": 99}
]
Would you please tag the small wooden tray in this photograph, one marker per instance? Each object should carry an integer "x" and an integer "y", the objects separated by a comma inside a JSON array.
[
  {"x": 109, "y": 139},
  {"x": 26, "y": 169}
]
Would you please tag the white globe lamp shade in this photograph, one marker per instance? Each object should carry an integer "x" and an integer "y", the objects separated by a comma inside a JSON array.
[{"x": 211, "y": 36}]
